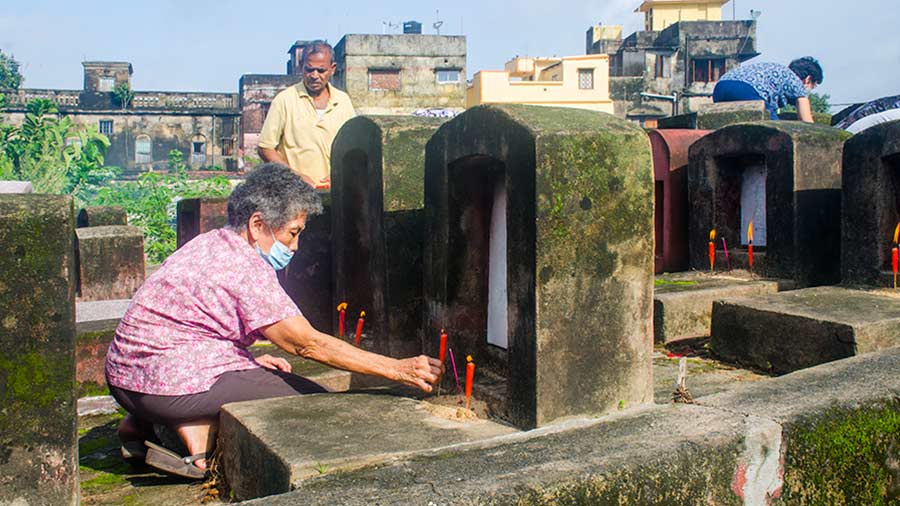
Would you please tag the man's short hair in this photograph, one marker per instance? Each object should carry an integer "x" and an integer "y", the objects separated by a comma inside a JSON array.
[
  {"x": 807, "y": 67},
  {"x": 317, "y": 46}
]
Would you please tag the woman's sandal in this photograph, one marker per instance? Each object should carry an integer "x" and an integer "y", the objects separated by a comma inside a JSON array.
[
  {"x": 134, "y": 452},
  {"x": 166, "y": 460}
]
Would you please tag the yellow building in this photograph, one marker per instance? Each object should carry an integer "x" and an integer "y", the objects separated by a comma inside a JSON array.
[
  {"x": 660, "y": 14},
  {"x": 574, "y": 81}
]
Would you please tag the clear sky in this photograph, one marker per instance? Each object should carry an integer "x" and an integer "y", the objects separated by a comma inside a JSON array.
[{"x": 203, "y": 45}]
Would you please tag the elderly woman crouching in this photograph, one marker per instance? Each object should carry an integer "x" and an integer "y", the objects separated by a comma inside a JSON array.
[{"x": 180, "y": 352}]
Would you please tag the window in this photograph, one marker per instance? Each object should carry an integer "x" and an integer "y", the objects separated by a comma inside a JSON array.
[
  {"x": 585, "y": 79},
  {"x": 198, "y": 150},
  {"x": 385, "y": 79},
  {"x": 143, "y": 149},
  {"x": 708, "y": 70},
  {"x": 227, "y": 146},
  {"x": 447, "y": 76},
  {"x": 106, "y": 127},
  {"x": 106, "y": 84},
  {"x": 663, "y": 66}
]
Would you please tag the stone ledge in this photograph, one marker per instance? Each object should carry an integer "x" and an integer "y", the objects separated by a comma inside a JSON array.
[
  {"x": 657, "y": 455},
  {"x": 803, "y": 328}
]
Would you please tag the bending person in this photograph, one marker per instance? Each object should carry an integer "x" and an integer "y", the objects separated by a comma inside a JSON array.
[
  {"x": 774, "y": 84},
  {"x": 180, "y": 351}
]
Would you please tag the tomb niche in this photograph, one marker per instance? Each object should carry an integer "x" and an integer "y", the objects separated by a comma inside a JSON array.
[
  {"x": 539, "y": 258},
  {"x": 783, "y": 176},
  {"x": 377, "y": 217},
  {"x": 871, "y": 200}
]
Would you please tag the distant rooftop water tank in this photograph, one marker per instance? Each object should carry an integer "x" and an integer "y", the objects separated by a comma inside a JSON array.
[{"x": 412, "y": 27}]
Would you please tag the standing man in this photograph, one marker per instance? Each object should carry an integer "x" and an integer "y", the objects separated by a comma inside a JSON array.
[{"x": 303, "y": 119}]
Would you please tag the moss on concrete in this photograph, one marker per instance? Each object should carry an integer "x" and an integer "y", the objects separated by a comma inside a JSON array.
[{"x": 845, "y": 457}]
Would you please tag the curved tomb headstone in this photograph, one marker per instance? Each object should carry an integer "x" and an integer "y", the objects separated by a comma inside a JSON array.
[
  {"x": 539, "y": 258},
  {"x": 670, "y": 159},
  {"x": 786, "y": 178},
  {"x": 101, "y": 216},
  {"x": 110, "y": 262},
  {"x": 38, "y": 437},
  {"x": 378, "y": 166},
  {"x": 871, "y": 205}
]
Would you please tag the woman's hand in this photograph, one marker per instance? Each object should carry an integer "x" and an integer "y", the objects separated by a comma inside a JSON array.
[
  {"x": 270, "y": 362},
  {"x": 420, "y": 372}
]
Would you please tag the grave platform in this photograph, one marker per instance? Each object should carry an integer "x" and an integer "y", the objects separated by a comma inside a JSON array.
[
  {"x": 794, "y": 330},
  {"x": 271, "y": 446},
  {"x": 682, "y": 302}
]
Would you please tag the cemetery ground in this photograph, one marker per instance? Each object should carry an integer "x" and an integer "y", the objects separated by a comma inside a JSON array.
[{"x": 107, "y": 480}]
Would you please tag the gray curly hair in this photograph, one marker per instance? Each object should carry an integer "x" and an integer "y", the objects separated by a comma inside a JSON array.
[{"x": 276, "y": 192}]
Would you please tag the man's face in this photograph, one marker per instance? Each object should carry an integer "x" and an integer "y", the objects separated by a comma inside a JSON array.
[{"x": 317, "y": 71}]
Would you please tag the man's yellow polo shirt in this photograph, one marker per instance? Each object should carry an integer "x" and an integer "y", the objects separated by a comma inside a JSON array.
[{"x": 293, "y": 128}]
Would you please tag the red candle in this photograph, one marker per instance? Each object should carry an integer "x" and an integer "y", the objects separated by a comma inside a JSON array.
[
  {"x": 342, "y": 309},
  {"x": 750, "y": 245},
  {"x": 712, "y": 249},
  {"x": 359, "y": 325},
  {"x": 894, "y": 264},
  {"x": 470, "y": 375},
  {"x": 442, "y": 354}
]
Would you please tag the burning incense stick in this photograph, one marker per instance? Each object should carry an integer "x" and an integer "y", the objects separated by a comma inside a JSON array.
[{"x": 455, "y": 374}]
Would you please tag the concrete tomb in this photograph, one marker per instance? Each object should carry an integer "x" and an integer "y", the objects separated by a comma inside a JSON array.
[
  {"x": 786, "y": 178},
  {"x": 16, "y": 187},
  {"x": 110, "y": 262},
  {"x": 308, "y": 278},
  {"x": 200, "y": 215},
  {"x": 538, "y": 258},
  {"x": 377, "y": 169},
  {"x": 871, "y": 200},
  {"x": 715, "y": 116},
  {"x": 38, "y": 436},
  {"x": 670, "y": 150},
  {"x": 100, "y": 216}
]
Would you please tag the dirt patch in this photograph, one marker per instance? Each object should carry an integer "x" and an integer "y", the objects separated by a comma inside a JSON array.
[{"x": 452, "y": 407}]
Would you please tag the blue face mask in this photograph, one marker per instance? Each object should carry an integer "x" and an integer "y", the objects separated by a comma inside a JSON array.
[{"x": 279, "y": 255}]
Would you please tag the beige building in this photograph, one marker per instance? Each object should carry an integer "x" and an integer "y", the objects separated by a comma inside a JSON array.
[
  {"x": 661, "y": 14},
  {"x": 574, "y": 81}
]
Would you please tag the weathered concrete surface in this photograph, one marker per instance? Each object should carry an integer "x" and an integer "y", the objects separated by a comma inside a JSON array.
[
  {"x": 682, "y": 303},
  {"x": 198, "y": 216},
  {"x": 95, "y": 327},
  {"x": 802, "y": 328},
  {"x": 110, "y": 262},
  {"x": 377, "y": 172},
  {"x": 271, "y": 446},
  {"x": 780, "y": 441},
  {"x": 670, "y": 158},
  {"x": 308, "y": 279},
  {"x": 100, "y": 216},
  {"x": 871, "y": 181},
  {"x": 802, "y": 198},
  {"x": 38, "y": 438},
  {"x": 579, "y": 236},
  {"x": 840, "y": 428},
  {"x": 715, "y": 116}
]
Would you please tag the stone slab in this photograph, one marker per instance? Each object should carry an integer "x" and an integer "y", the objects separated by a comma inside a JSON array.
[
  {"x": 682, "y": 302},
  {"x": 198, "y": 216},
  {"x": 271, "y": 446},
  {"x": 38, "y": 437},
  {"x": 110, "y": 262},
  {"x": 16, "y": 187},
  {"x": 793, "y": 330},
  {"x": 99, "y": 216},
  {"x": 728, "y": 449}
]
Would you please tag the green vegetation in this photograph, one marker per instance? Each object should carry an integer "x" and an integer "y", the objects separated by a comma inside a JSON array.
[
  {"x": 151, "y": 202},
  {"x": 122, "y": 95},
  {"x": 818, "y": 103},
  {"x": 664, "y": 282},
  {"x": 10, "y": 77},
  {"x": 56, "y": 155}
]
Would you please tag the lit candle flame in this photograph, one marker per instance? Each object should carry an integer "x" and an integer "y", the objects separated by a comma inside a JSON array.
[
  {"x": 342, "y": 306},
  {"x": 896, "y": 233},
  {"x": 750, "y": 231},
  {"x": 362, "y": 314},
  {"x": 712, "y": 235}
]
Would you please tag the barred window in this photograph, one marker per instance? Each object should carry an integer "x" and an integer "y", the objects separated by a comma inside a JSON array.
[
  {"x": 585, "y": 79},
  {"x": 105, "y": 126}
]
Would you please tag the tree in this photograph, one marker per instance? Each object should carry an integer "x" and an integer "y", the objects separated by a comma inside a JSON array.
[
  {"x": 123, "y": 95},
  {"x": 820, "y": 103},
  {"x": 10, "y": 78}
]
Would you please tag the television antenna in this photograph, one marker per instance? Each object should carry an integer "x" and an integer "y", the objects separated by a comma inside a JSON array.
[
  {"x": 754, "y": 14},
  {"x": 388, "y": 27},
  {"x": 438, "y": 23}
]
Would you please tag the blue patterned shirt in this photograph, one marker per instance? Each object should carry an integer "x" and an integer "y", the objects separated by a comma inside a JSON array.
[{"x": 777, "y": 84}]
